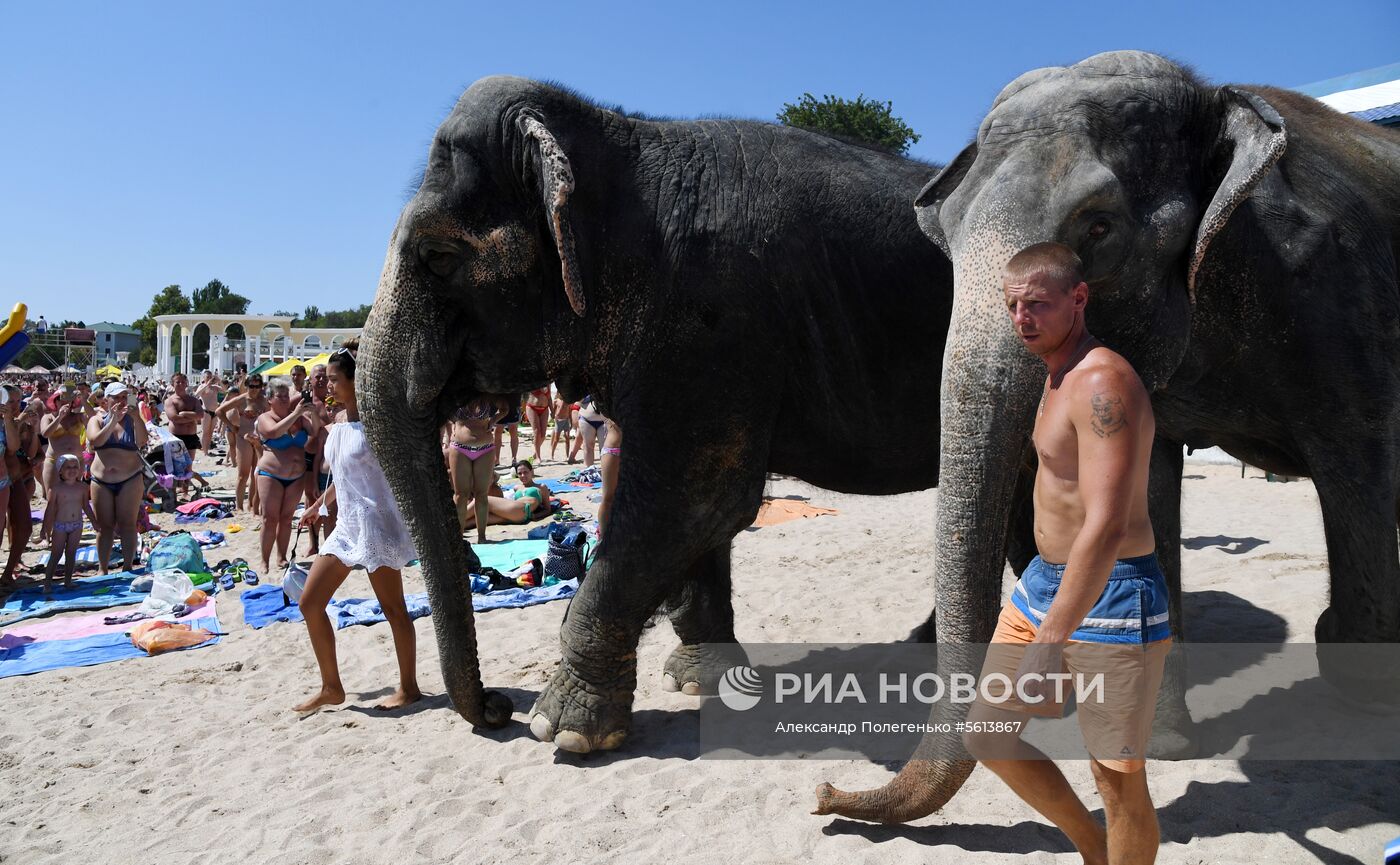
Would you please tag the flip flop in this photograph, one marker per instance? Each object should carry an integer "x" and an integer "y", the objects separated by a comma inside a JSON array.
[{"x": 250, "y": 577}]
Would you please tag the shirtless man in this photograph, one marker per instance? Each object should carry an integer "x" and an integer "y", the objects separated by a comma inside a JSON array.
[
  {"x": 1104, "y": 610},
  {"x": 208, "y": 394},
  {"x": 183, "y": 410}
]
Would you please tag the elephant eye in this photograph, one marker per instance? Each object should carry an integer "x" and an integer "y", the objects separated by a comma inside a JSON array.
[{"x": 1098, "y": 229}]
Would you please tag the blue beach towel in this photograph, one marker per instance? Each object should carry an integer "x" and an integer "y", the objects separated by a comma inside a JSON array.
[
  {"x": 263, "y": 605},
  {"x": 23, "y": 658},
  {"x": 87, "y": 593},
  {"x": 508, "y": 555},
  {"x": 88, "y": 556}
]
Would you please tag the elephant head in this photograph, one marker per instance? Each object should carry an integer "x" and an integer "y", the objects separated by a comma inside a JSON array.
[
  {"x": 1135, "y": 164},
  {"x": 480, "y": 294}
]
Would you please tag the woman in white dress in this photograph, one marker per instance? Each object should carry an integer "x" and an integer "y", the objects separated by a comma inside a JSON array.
[{"x": 369, "y": 533}]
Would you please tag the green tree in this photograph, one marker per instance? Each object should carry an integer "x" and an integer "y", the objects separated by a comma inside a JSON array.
[
  {"x": 862, "y": 120},
  {"x": 215, "y": 298},
  {"x": 170, "y": 300}
]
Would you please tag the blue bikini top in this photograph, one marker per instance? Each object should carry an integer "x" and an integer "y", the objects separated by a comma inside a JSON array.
[
  {"x": 124, "y": 440},
  {"x": 285, "y": 440}
]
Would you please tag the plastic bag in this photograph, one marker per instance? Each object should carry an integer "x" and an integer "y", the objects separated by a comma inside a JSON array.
[
  {"x": 294, "y": 582},
  {"x": 156, "y": 636},
  {"x": 178, "y": 551},
  {"x": 168, "y": 588}
]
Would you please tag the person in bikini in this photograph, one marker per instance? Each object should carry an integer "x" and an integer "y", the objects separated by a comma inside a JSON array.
[
  {"x": 318, "y": 471},
  {"x": 69, "y": 500},
  {"x": 284, "y": 429},
  {"x": 537, "y": 411},
  {"x": 471, "y": 457},
  {"x": 590, "y": 426},
  {"x": 117, "y": 440},
  {"x": 63, "y": 426},
  {"x": 509, "y": 423},
  {"x": 208, "y": 395},
  {"x": 240, "y": 413},
  {"x": 525, "y": 503},
  {"x": 563, "y": 415},
  {"x": 20, "y": 467},
  {"x": 1102, "y": 611}
]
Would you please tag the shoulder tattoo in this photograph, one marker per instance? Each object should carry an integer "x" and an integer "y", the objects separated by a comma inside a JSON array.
[{"x": 1109, "y": 414}]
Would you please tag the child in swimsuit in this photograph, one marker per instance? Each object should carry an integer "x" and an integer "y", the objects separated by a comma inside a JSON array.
[{"x": 69, "y": 501}]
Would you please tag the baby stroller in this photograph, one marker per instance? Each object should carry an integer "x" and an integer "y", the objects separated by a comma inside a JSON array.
[{"x": 167, "y": 461}]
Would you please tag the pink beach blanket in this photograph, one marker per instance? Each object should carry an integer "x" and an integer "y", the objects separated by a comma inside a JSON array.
[{"x": 73, "y": 627}]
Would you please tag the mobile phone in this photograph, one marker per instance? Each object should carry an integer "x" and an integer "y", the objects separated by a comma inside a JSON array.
[
  {"x": 306, "y": 396},
  {"x": 130, "y": 400}
]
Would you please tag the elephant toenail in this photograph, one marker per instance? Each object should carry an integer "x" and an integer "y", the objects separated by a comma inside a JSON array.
[
  {"x": 568, "y": 740},
  {"x": 542, "y": 728},
  {"x": 668, "y": 683},
  {"x": 691, "y": 688}
]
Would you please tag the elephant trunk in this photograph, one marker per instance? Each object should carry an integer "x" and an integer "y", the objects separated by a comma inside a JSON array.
[
  {"x": 990, "y": 387},
  {"x": 408, "y": 355}
]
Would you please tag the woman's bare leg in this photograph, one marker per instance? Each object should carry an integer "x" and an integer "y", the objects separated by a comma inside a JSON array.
[
  {"x": 21, "y": 527},
  {"x": 290, "y": 495},
  {"x": 483, "y": 472},
  {"x": 327, "y": 573},
  {"x": 270, "y": 491},
  {"x": 459, "y": 470},
  {"x": 245, "y": 472},
  {"x": 541, "y": 432},
  {"x": 104, "y": 508},
  {"x": 388, "y": 588},
  {"x": 125, "y": 511},
  {"x": 611, "y": 464}
]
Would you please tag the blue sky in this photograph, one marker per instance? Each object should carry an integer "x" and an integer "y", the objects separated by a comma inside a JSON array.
[{"x": 271, "y": 144}]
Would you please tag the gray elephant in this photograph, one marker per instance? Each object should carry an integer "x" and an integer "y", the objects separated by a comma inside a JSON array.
[
  {"x": 1240, "y": 245},
  {"x": 739, "y": 297}
]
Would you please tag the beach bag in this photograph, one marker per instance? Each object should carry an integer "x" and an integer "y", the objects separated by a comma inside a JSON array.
[
  {"x": 179, "y": 551},
  {"x": 565, "y": 559},
  {"x": 158, "y": 636},
  {"x": 294, "y": 580},
  {"x": 168, "y": 588}
]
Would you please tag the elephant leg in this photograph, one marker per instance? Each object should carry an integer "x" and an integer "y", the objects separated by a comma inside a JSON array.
[
  {"x": 703, "y": 618},
  {"x": 674, "y": 504},
  {"x": 1173, "y": 732},
  {"x": 1358, "y": 518}
]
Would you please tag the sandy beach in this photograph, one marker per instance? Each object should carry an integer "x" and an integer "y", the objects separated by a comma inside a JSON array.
[{"x": 196, "y": 756}]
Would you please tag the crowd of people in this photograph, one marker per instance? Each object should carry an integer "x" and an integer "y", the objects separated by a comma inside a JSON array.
[{"x": 274, "y": 434}]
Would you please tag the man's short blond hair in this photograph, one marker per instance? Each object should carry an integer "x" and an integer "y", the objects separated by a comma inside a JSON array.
[{"x": 1051, "y": 261}]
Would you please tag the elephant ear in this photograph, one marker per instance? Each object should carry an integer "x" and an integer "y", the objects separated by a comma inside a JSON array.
[
  {"x": 556, "y": 182},
  {"x": 1252, "y": 138},
  {"x": 930, "y": 199}
]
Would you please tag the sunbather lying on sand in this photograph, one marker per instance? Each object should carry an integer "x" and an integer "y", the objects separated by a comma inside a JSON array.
[{"x": 526, "y": 503}]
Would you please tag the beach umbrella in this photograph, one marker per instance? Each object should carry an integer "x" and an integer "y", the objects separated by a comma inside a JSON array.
[
  {"x": 12, "y": 369},
  {"x": 285, "y": 367},
  {"x": 39, "y": 369},
  {"x": 110, "y": 370}
]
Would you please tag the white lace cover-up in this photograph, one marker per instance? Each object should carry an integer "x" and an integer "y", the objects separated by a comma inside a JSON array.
[{"x": 369, "y": 532}]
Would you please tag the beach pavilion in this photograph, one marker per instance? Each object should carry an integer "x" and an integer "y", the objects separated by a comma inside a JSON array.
[{"x": 264, "y": 338}]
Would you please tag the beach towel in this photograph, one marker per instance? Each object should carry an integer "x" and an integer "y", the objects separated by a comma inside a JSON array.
[
  {"x": 87, "y": 593},
  {"x": 22, "y": 655},
  {"x": 264, "y": 605},
  {"x": 507, "y": 555},
  {"x": 88, "y": 555},
  {"x": 75, "y": 627},
  {"x": 775, "y": 511}
]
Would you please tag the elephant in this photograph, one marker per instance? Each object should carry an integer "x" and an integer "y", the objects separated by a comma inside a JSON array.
[
  {"x": 740, "y": 298},
  {"x": 1240, "y": 246}
]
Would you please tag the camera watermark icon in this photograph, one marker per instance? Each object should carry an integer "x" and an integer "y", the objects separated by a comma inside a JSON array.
[{"x": 740, "y": 688}]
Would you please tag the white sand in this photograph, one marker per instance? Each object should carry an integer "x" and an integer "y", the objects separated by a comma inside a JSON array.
[{"x": 196, "y": 757}]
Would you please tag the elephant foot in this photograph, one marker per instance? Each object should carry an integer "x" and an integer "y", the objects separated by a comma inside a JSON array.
[
  {"x": 583, "y": 715},
  {"x": 1360, "y": 665},
  {"x": 1173, "y": 744},
  {"x": 696, "y": 668}
]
